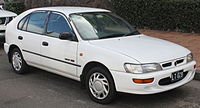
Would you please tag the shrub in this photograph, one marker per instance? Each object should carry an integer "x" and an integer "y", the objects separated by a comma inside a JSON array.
[
  {"x": 17, "y": 7},
  {"x": 181, "y": 15}
]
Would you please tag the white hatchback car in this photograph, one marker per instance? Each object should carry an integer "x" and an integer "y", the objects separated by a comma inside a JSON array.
[
  {"x": 98, "y": 48},
  {"x": 5, "y": 18}
]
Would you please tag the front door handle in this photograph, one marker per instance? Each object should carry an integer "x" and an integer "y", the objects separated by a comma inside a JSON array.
[
  {"x": 45, "y": 43},
  {"x": 20, "y": 37}
]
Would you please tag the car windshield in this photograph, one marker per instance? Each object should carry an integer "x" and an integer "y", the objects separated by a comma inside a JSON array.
[{"x": 101, "y": 25}]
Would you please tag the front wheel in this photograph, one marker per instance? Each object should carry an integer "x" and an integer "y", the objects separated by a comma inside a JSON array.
[
  {"x": 17, "y": 61},
  {"x": 100, "y": 85}
]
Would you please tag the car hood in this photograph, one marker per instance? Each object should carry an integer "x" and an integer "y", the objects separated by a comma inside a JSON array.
[
  {"x": 5, "y": 13},
  {"x": 143, "y": 48}
]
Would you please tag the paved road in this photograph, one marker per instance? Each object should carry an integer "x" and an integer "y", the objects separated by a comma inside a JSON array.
[{"x": 40, "y": 89}]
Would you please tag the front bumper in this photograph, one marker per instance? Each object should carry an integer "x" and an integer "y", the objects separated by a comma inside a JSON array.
[
  {"x": 123, "y": 81},
  {"x": 6, "y": 48}
]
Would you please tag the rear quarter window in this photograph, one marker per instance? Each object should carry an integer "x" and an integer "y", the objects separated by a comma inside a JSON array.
[{"x": 23, "y": 23}]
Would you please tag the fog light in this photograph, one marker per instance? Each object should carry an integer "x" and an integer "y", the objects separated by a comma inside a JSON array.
[{"x": 143, "y": 81}]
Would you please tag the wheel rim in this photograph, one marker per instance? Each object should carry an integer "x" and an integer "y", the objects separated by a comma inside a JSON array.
[
  {"x": 98, "y": 85},
  {"x": 17, "y": 61}
]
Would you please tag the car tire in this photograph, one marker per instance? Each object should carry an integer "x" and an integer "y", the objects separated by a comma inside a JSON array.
[
  {"x": 18, "y": 64},
  {"x": 100, "y": 85}
]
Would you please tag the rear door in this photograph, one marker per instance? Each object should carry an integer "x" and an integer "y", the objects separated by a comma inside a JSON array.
[
  {"x": 59, "y": 55},
  {"x": 31, "y": 32}
]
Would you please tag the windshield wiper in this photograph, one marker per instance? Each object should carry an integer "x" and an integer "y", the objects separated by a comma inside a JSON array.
[
  {"x": 132, "y": 33},
  {"x": 112, "y": 36},
  {"x": 120, "y": 35}
]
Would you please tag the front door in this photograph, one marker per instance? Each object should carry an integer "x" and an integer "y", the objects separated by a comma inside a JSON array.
[{"x": 58, "y": 55}]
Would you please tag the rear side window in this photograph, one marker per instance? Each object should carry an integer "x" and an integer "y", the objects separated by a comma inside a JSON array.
[
  {"x": 56, "y": 25},
  {"x": 36, "y": 22},
  {"x": 21, "y": 24}
]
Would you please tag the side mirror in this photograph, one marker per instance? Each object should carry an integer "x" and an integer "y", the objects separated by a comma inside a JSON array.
[{"x": 66, "y": 36}]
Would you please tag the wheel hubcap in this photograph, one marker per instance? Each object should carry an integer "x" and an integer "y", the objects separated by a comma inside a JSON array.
[
  {"x": 17, "y": 61},
  {"x": 98, "y": 85}
]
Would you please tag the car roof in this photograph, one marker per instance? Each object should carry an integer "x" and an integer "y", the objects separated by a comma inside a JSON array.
[{"x": 69, "y": 10}]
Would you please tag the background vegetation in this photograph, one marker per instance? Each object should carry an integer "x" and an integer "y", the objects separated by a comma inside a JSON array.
[
  {"x": 17, "y": 7},
  {"x": 174, "y": 15}
]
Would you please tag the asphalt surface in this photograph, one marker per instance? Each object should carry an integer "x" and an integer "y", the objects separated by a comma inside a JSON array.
[{"x": 40, "y": 89}]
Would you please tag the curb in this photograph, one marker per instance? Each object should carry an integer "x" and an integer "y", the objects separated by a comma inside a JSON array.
[{"x": 197, "y": 75}]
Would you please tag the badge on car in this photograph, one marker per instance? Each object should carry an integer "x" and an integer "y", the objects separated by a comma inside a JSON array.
[{"x": 177, "y": 76}]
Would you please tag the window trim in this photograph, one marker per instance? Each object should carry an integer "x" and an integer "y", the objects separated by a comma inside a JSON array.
[
  {"x": 46, "y": 20},
  {"x": 29, "y": 15},
  {"x": 66, "y": 19},
  {"x": 27, "y": 18}
]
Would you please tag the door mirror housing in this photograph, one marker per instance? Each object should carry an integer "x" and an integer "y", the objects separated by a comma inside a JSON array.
[{"x": 66, "y": 36}]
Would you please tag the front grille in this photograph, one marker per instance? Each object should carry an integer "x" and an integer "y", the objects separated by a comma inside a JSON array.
[
  {"x": 179, "y": 61},
  {"x": 2, "y": 20},
  {"x": 167, "y": 81},
  {"x": 167, "y": 64},
  {"x": 173, "y": 63},
  {"x": 2, "y": 31},
  {"x": 5, "y": 20},
  {"x": 8, "y": 20}
]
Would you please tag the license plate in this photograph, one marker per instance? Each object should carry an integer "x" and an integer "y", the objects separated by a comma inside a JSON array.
[{"x": 177, "y": 76}]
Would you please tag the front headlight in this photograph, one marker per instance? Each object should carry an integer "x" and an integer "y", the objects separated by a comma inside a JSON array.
[
  {"x": 142, "y": 68},
  {"x": 133, "y": 68},
  {"x": 189, "y": 57}
]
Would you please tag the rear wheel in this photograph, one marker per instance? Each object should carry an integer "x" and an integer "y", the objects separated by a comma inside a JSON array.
[
  {"x": 100, "y": 85},
  {"x": 17, "y": 61}
]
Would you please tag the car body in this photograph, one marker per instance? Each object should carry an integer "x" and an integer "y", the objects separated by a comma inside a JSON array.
[
  {"x": 127, "y": 61},
  {"x": 1, "y": 7},
  {"x": 5, "y": 18}
]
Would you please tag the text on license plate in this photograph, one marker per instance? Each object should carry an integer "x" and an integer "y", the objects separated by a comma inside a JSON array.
[{"x": 177, "y": 76}]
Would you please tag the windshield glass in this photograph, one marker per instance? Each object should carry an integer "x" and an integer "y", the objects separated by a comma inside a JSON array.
[{"x": 101, "y": 25}]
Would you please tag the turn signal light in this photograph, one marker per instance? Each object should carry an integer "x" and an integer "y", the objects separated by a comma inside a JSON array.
[
  {"x": 143, "y": 81},
  {"x": 81, "y": 54}
]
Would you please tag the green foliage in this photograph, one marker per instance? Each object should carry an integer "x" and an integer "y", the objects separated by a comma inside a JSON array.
[
  {"x": 17, "y": 7},
  {"x": 176, "y": 15}
]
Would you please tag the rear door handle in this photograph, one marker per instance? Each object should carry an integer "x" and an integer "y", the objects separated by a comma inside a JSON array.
[
  {"x": 20, "y": 37},
  {"x": 45, "y": 43}
]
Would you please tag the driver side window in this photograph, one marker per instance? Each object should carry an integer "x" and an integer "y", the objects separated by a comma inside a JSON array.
[{"x": 56, "y": 25}]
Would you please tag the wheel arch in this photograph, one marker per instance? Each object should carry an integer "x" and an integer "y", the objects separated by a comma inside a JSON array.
[
  {"x": 13, "y": 46},
  {"x": 89, "y": 66}
]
